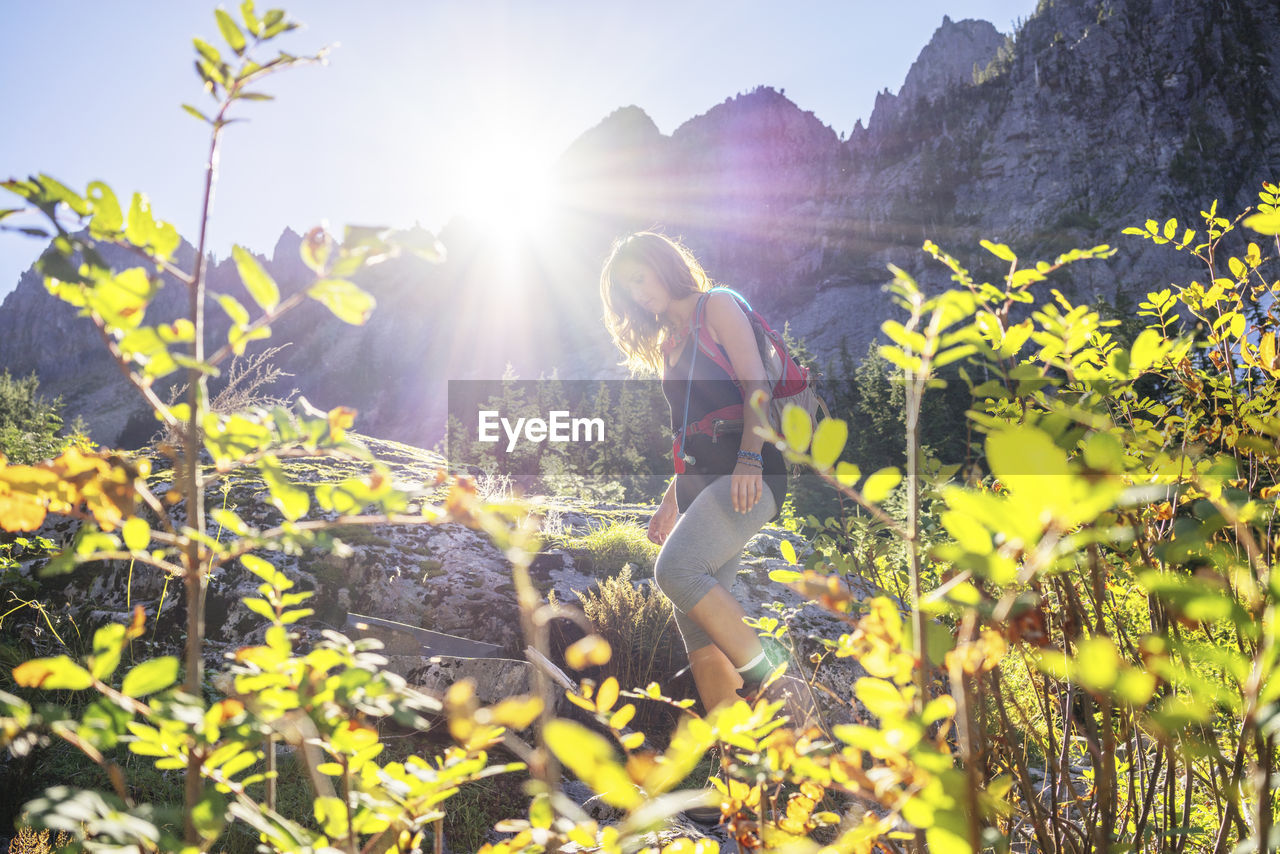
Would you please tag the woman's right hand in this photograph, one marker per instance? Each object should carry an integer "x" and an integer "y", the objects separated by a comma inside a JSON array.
[{"x": 663, "y": 521}]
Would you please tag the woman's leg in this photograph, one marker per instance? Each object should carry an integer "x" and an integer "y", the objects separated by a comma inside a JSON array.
[
  {"x": 714, "y": 675},
  {"x": 695, "y": 635},
  {"x": 695, "y": 569}
]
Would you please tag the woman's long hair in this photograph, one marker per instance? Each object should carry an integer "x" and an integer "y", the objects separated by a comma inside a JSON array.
[{"x": 639, "y": 334}]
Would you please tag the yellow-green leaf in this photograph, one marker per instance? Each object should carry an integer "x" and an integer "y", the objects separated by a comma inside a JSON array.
[
  {"x": 848, "y": 474},
  {"x": 136, "y": 533},
  {"x": 259, "y": 567},
  {"x": 968, "y": 532},
  {"x": 788, "y": 551},
  {"x": 516, "y": 712},
  {"x": 1024, "y": 450},
  {"x": 828, "y": 442},
  {"x": 1022, "y": 278},
  {"x": 1267, "y": 351},
  {"x": 797, "y": 428},
  {"x": 1135, "y": 686},
  {"x": 290, "y": 499},
  {"x": 108, "y": 643},
  {"x": 108, "y": 219},
  {"x": 880, "y": 483},
  {"x": 141, "y": 228},
  {"x": 256, "y": 280},
  {"x": 1264, "y": 223},
  {"x": 622, "y": 717},
  {"x": 208, "y": 51},
  {"x": 882, "y": 698},
  {"x": 1146, "y": 351},
  {"x": 348, "y": 303},
  {"x": 607, "y": 695},
  {"x": 906, "y": 361},
  {"x": 58, "y": 672},
  {"x": 1000, "y": 250},
  {"x": 331, "y": 815},
  {"x": 230, "y": 31},
  {"x": 150, "y": 676},
  {"x": 122, "y": 299},
  {"x": 593, "y": 761},
  {"x": 209, "y": 814},
  {"x": 234, "y": 309},
  {"x": 261, "y": 607}
]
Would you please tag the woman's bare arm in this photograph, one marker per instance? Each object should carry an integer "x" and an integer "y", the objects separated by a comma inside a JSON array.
[{"x": 731, "y": 326}]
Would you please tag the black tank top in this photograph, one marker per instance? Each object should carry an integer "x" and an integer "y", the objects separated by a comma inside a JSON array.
[{"x": 713, "y": 389}]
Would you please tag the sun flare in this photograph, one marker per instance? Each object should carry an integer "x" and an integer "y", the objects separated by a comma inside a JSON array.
[{"x": 505, "y": 190}]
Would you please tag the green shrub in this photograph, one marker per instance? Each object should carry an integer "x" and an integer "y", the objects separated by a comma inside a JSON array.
[{"x": 638, "y": 622}]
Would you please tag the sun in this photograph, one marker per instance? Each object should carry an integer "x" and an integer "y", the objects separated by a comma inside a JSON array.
[{"x": 506, "y": 190}]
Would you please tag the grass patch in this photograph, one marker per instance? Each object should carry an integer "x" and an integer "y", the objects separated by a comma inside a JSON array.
[{"x": 604, "y": 550}]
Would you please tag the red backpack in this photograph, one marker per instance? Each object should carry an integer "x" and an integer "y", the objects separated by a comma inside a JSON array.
[{"x": 790, "y": 382}]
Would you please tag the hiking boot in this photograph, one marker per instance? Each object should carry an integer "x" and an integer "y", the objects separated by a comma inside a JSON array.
[
  {"x": 708, "y": 815},
  {"x": 704, "y": 815}
]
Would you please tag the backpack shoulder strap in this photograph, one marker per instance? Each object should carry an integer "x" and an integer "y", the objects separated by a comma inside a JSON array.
[
  {"x": 739, "y": 297},
  {"x": 703, "y": 337}
]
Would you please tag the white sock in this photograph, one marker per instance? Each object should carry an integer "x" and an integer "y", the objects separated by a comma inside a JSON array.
[{"x": 752, "y": 663}]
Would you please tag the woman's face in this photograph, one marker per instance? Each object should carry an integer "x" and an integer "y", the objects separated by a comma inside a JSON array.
[{"x": 639, "y": 283}]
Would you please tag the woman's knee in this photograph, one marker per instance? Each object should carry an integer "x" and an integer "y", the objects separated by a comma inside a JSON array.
[
  {"x": 668, "y": 574},
  {"x": 683, "y": 579}
]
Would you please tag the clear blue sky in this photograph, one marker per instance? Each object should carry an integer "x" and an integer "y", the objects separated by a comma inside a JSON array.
[{"x": 416, "y": 97}]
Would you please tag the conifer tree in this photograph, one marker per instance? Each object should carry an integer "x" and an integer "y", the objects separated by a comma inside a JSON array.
[{"x": 30, "y": 425}]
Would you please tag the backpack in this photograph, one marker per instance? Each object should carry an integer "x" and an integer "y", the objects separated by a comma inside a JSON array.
[{"x": 789, "y": 381}]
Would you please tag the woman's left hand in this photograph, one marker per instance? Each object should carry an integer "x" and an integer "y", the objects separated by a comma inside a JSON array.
[{"x": 748, "y": 486}]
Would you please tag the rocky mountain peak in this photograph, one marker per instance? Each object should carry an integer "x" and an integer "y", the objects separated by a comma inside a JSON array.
[
  {"x": 762, "y": 113},
  {"x": 625, "y": 128},
  {"x": 945, "y": 63},
  {"x": 949, "y": 58},
  {"x": 287, "y": 246}
]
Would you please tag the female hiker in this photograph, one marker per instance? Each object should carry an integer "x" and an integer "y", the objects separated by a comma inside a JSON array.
[{"x": 731, "y": 484}]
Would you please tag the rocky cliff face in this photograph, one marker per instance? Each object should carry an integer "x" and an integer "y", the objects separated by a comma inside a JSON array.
[
  {"x": 1095, "y": 115},
  {"x": 41, "y": 334}
]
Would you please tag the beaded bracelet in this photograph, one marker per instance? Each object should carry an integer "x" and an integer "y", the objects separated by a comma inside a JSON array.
[{"x": 751, "y": 455}]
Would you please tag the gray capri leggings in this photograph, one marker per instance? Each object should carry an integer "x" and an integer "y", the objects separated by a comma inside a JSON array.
[{"x": 703, "y": 549}]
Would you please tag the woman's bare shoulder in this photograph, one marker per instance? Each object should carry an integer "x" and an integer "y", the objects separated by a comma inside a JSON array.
[
  {"x": 721, "y": 301},
  {"x": 725, "y": 316}
]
